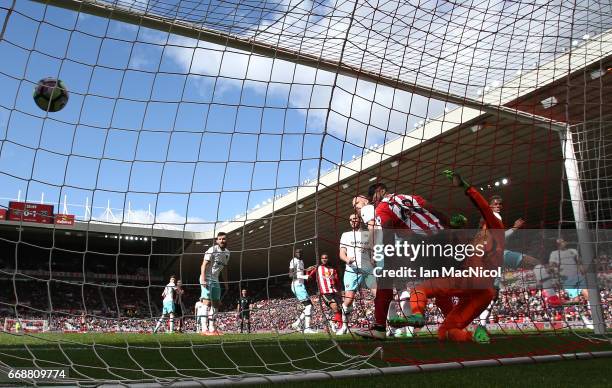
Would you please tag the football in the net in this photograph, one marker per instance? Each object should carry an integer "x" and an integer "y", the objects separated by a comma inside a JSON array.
[{"x": 51, "y": 94}]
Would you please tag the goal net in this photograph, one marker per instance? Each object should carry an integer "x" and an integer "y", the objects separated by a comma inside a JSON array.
[{"x": 267, "y": 122}]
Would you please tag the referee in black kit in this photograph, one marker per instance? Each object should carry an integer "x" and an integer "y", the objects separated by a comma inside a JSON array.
[
  {"x": 178, "y": 305},
  {"x": 244, "y": 310}
]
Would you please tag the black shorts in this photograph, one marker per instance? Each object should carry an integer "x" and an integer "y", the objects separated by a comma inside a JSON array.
[
  {"x": 178, "y": 310},
  {"x": 245, "y": 315},
  {"x": 331, "y": 297}
]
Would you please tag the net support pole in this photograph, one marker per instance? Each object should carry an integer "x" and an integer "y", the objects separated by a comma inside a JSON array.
[{"x": 587, "y": 254}]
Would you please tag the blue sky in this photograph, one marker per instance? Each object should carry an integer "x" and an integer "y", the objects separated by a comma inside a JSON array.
[
  {"x": 196, "y": 132},
  {"x": 153, "y": 121}
]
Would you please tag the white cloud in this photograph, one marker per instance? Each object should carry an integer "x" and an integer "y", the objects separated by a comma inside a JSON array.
[
  {"x": 447, "y": 46},
  {"x": 139, "y": 217},
  {"x": 168, "y": 219},
  {"x": 309, "y": 88},
  {"x": 138, "y": 62}
]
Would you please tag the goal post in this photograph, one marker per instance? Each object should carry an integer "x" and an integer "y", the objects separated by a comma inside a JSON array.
[{"x": 586, "y": 227}]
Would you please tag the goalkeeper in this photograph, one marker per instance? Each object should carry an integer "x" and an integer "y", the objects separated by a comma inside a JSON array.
[{"x": 473, "y": 294}]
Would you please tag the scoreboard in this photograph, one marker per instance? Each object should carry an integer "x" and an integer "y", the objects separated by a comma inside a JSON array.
[
  {"x": 30, "y": 212},
  {"x": 35, "y": 212}
]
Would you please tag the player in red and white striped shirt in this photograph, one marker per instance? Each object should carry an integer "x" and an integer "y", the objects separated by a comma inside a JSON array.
[
  {"x": 409, "y": 213},
  {"x": 328, "y": 283}
]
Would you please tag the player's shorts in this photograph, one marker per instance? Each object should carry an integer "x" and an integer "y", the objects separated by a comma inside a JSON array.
[
  {"x": 299, "y": 290},
  {"x": 354, "y": 280},
  {"x": 245, "y": 315},
  {"x": 573, "y": 287},
  {"x": 199, "y": 316},
  {"x": 331, "y": 298},
  {"x": 168, "y": 308},
  {"x": 212, "y": 292},
  {"x": 512, "y": 259},
  {"x": 178, "y": 310}
]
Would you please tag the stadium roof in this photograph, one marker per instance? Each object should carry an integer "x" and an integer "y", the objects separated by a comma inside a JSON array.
[
  {"x": 114, "y": 229},
  {"x": 483, "y": 146}
]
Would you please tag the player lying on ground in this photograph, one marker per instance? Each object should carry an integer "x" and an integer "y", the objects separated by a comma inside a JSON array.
[
  {"x": 215, "y": 260},
  {"x": 473, "y": 294}
]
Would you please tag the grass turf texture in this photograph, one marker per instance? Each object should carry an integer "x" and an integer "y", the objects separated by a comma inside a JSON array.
[
  {"x": 178, "y": 356},
  {"x": 575, "y": 373}
]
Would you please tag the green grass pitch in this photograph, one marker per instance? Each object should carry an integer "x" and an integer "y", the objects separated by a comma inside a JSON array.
[{"x": 146, "y": 357}]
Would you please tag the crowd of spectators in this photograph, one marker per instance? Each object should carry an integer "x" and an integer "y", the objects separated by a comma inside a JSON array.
[
  {"x": 73, "y": 304},
  {"x": 276, "y": 314}
]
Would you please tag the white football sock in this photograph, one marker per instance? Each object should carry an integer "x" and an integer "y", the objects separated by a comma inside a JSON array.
[
  {"x": 306, "y": 314},
  {"x": 392, "y": 311},
  {"x": 159, "y": 322},
  {"x": 204, "y": 319},
  {"x": 405, "y": 303},
  {"x": 345, "y": 314},
  {"x": 212, "y": 311}
]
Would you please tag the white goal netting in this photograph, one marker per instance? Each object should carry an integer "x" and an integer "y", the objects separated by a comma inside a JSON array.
[{"x": 262, "y": 120}]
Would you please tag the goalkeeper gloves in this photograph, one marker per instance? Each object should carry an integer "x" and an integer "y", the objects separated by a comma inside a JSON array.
[
  {"x": 458, "y": 221},
  {"x": 456, "y": 179}
]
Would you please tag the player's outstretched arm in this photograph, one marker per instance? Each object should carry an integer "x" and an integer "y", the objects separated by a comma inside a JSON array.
[
  {"x": 457, "y": 180},
  {"x": 481, "y": 203},
  {"x": 308, "y": 272}
]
